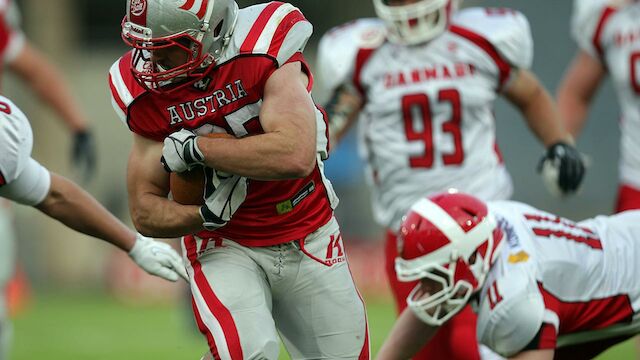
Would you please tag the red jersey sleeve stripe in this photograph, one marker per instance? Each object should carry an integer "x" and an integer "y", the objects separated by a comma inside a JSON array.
[
  {"x": 361, "y": 59},
  {"x": 3, "y": 181},
  {"x": 258, "y": 26},
  {"x": 597, "y": 35},
  {"x": 504, "y": 68},
  {"x": 116, "y": 96},
  {"x": 283, "y": 30}
]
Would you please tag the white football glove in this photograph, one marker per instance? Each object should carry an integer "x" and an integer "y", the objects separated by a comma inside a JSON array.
[
  {"x": 180, "y": 152},
  {"x": 224, "y": 193},
  {"x": 157, "y": 258}
]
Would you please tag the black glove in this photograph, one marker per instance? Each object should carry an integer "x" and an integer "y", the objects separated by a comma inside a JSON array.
[
  {"x": 562, "y": 168},
  {"x": 84, "y": 155}
]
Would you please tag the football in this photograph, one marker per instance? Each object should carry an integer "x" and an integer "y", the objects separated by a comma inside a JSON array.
[{"x": 187, "y": 188}]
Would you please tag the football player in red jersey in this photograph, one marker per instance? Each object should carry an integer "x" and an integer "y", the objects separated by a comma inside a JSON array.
[
  {"x": 544, "y": 287},
  {"x": 264, "y": 251}
]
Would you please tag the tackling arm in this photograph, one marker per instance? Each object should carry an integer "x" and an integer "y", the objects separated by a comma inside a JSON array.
[
  {"x": 579, "y": 85},
  {"x": 75, "y": 208},
  {"x": 147, "y": 182},
  {"x": 287, "y": 149},
  {"x": 408, "y": 335}
]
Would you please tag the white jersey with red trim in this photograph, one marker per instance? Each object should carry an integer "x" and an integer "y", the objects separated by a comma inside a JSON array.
[
  {"x": 610, "y": 32},
  {"x": 229, "y": 98},
  {"x": 427, "y": 123},
  {"x": 22, "y": 179},
  {"x": 558, "y": 282}
]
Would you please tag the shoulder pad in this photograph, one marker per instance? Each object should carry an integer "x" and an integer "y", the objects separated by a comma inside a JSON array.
[
  {"x": 16, "y": 141},
  {"x": 338, "y": 48},
  {"x": 511, "y": 312},
  {"x": 277, "y": 29},
  {"x": 124, "y": 88},
  {"x": 506, "y": 29},
  {"x": 588, "y": 21}
]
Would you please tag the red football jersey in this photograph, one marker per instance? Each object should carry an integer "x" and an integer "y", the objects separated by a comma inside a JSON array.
[{"x": 229, "y": 97}]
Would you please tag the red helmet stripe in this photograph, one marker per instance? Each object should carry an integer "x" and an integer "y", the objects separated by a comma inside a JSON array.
[
  {"x": 203, "y": 9},
  {"x": 188, "y": 5}
]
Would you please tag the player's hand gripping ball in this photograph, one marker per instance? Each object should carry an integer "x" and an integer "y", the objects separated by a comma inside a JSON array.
[{"x": 187, "y": 187}]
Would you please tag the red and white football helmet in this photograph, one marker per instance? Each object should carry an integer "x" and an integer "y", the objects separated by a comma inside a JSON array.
[
  {"x": 416, "y": 22},
  {"x": 449, "y": 240},
  {"x": 200, "y": 28}
]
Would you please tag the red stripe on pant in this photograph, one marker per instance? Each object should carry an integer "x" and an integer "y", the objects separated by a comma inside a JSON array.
[
  {"x": 456, "y": 339},
  {"x": 203, "y": 329},
  {"x": 215, "y": 306}
]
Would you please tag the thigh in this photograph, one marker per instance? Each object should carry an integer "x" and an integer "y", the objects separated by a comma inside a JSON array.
[
  {"x": 321, "y": 314},
  {"x": 231, "y": 300}
]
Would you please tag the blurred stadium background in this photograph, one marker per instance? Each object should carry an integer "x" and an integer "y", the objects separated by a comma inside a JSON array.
[{"x": 84, "y": 300}]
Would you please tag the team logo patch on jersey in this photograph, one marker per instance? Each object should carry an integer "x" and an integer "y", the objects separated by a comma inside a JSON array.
[
  {"x": 288, "y": 205},
  {"x": 518, "y": 257},
  {"x": 138, "y": 7}
]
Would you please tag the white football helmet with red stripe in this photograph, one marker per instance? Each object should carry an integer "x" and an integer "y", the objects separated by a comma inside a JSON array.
[
  {"x": 201, "y": 28},
  {"x": 448, "y": 242},
  {"x": 413, "y": 22}
]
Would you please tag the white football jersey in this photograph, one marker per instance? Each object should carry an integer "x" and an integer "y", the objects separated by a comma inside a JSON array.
[
  {"x": 558, "y": 282},
  {"x": 22, "y": 179},
  {"x": 611, "y": 33},
  {"x": 427, "y": 124}
]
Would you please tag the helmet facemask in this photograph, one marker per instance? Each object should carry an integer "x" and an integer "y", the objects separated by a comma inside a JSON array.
[
  {"x": 417, "y": 22},
  {"x": 456, "y": 271}
]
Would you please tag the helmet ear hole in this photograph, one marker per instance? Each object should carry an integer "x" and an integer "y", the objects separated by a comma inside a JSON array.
[{"x": 218, "y": 29}]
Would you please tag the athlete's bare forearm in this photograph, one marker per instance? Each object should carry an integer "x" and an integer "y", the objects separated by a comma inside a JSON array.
[
  {"x": 148, "y": 185},
  {"x": 407, "y": 336},
  {"x": 74, "y": 207},
  {"x": 538, "y": 109},
  {"x": 287, "y": 149}
]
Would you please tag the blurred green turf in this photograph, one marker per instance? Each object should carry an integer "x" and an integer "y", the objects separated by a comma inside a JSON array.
[{"x": 93, "y": 327}]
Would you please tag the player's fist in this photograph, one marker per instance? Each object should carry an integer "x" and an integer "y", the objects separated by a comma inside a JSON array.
[
  {"x": 180, "y": 152},
  {"x": 562, "y": 169},
  {"x": 157, "y": 258},
  {"x": 224, "y": 193}
]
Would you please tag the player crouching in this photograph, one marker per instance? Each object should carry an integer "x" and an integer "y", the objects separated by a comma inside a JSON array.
[{"x": 543, "y": 286}]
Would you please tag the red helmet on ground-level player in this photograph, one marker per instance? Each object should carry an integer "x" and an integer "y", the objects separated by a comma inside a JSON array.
[
  {"x": 413, "y": 22},
  {"x": 449, "y": 242},
  {"x": 197, "y": 30}
]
